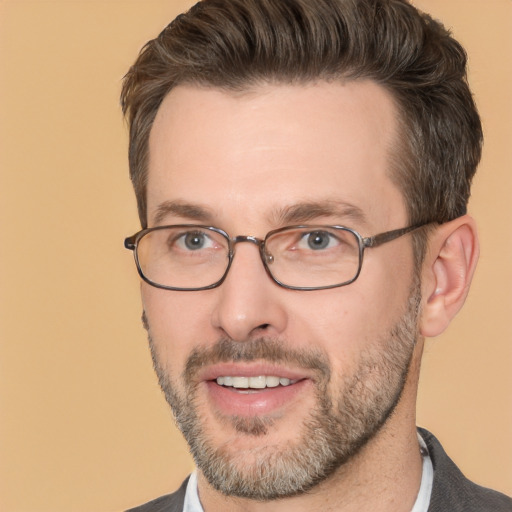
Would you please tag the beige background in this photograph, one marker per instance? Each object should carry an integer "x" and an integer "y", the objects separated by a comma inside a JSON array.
[{"x": 83, "y": 426}]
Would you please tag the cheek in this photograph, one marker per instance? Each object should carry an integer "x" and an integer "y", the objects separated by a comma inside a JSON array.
[
  {"x": 177, "y": 321},
  {"x": 341, "y": 317},
  {"x": 347, "y": 321}
]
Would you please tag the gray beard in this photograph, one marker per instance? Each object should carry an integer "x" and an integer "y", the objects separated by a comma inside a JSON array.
[{"x": 332, "y": 433}]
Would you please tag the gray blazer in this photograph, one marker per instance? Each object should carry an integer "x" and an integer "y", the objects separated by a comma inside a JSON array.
[{"x": 451, "y": 492}]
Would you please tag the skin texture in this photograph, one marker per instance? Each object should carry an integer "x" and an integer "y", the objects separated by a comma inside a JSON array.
[
  {"x": 332, "y": 431},
  {"x": 252, "y": 162}
]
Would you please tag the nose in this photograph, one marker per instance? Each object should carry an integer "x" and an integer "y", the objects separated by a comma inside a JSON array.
[{"x": 248, "y": 303}]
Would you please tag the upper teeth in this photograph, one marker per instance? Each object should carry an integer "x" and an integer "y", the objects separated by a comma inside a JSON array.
[{"x": 259, "y": 382}]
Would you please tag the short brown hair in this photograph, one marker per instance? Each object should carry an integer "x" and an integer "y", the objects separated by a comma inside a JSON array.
[{"x": 235, "y": 44}]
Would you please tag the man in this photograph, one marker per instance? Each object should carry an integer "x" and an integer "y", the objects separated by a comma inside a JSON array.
[{"x": 302, "y": 169}]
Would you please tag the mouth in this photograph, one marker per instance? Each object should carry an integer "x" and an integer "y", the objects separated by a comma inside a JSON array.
[
  {"x": 254, "y": 383},
  {"x": 254, "y": 389}
]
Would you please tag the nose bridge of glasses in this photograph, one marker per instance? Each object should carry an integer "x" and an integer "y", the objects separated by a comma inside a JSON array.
[
  {"x": 244, "y": 238},
  {"x": 265, "y": 256}
]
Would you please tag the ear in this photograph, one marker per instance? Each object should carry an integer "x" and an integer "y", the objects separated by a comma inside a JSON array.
[{"x": 447, "y": 272}]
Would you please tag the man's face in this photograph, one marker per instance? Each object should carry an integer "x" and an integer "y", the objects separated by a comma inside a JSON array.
[{"x": 250, "y": 163}]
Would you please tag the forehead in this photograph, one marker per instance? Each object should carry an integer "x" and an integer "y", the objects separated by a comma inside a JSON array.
[{"x": 275, "y": 146}]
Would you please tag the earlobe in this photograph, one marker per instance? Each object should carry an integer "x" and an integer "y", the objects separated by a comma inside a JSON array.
[{"x": 447, "y": 272}]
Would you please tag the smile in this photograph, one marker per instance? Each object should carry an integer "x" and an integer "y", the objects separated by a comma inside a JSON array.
[
  {"x": 255, "y": 389},
  {"x": 258, "y": 382}
]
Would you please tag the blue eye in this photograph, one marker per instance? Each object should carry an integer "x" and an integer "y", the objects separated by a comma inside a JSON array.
[
  {"x": 194, "y": 241},
  {"x": 317, "y": 240}
]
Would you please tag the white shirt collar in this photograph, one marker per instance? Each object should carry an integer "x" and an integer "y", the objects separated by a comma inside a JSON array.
[
  {"x": 427, "y": 480},
  {"x": 192, "y": 503}
]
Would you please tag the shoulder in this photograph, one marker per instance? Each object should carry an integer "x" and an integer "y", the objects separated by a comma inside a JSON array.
[
  {"x": 453, "y": 491},
  {"x": 168, "y": 503}
]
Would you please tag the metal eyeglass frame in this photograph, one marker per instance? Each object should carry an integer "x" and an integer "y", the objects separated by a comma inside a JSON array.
[{"x": 131, "y": 244}]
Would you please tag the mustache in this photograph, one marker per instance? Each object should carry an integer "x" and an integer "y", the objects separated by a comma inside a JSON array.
[
  {"x": 270, "y": 350},
  {"x": 259, "y": 349}
]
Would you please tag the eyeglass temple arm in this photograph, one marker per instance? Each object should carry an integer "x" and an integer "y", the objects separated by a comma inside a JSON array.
[{"x": 382, "y": 238}]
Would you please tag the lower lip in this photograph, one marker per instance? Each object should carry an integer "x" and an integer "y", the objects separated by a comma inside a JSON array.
[{"x": 248, "y": 402}]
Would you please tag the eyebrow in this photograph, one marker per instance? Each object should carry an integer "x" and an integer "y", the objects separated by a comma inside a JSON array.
[
  {"x": 310, "y": 210},
  {"x": 297, "y": 213},
  {"x": 188, "y": 211}
]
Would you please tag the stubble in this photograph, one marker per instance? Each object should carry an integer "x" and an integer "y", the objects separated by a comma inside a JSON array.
[{"x": 332, "y": 432}]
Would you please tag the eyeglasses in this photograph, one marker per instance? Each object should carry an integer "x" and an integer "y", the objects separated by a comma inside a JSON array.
[{"x": 192, "y": 257}]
